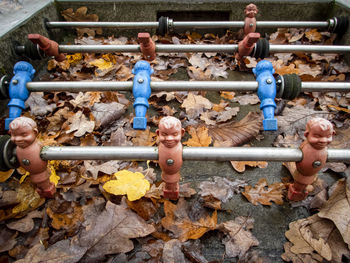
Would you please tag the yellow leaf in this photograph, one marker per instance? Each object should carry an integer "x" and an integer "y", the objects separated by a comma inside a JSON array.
[
  {"x": 110, "y": 58},
  {"x": 5, "y": 175},
  {"x": 54, "y": 178},
  {"x": 134, "y": 185},
  {"x": 101, "y": 64},
  {"x": 23, "y": 177},
  {"x": 75, "y": 58},
  {"x": 29, "y": 198},
  {"x": 339, "y": 108},
  {"x": 200, "y": 137}
]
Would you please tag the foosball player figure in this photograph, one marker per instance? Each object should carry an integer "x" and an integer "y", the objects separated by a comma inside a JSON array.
[
  {"x": 250, "y": 12},
  {"x": 319, "y": 133},
  {"x": 170, "y": 133},
  {"x": 23, "y": 133}
]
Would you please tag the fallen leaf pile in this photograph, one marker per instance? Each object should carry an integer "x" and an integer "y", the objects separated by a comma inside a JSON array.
[{"x": 114, "y": 211}]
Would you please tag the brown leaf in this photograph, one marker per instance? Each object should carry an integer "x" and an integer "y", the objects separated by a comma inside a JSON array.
[
  {"x": 236, "y": 133},
  {"x": 226, "y": 95},
  {"x": 195, "y": 105},
  {"x": 7, "y": 239},
  {"x": 264, "y": 194},
  {"x": 247, "y": 99},
  {"x": 289, "y": 256},
  {"x": 81, "y": 15},
  {"x": 93, "y": 168},
  {"x": 341, "y": 139},
  {"x": 199, "y": 138},
  {"x": 227, "y": 114},
  {"x": 86, "y": 99},
  {"x": 313, "y": 35},
  {"x": 107, "y": 113},
  {"x": 239, "y": 238},
  {"x": 80, "y": 124},
  {"x": 112, "y": 232},
  {"x": 220, "y": 107},
  {"x": 65, "y": 215},
  {"x": 143, "y": 207},
  {"x": 38, "y": 105},
  {"x": 177, "y": 221},
  {"x": 337, "y": 209},
  {"x": 118, "y": 138},
  {"x": 239, "y": 166},
  {"x": 25, "y": 224},
  {"x": 222, "y": 188},
  {"x": 172, "y": 252},
  {"x": 142, "y": 138},
  {"x": 198, "y": 74},
  {"x": 307, "y": 236}
]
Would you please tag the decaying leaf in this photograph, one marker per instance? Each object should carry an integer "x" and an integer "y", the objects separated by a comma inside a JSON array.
[
  {"x": 38, "y": 105},
  {"x": 313, "y": 35},
  {"x": 236, "y": 133},
  {"x": 200, "y": 137},
  {"x": 315, "y": 234},
  {"x": 107, "y": 113},
  {"x": 143, "y": 207},
  {"x": 134, "y": 185},
  {"x": 177, "y": 221},
  {"x": 337, "y": 209},
  {"x": 251, "y": 99},
  {"x": 195, "y": 105},
  {"x": 239, "y": 238},
  {"x": 263, "y": 193},
  {"x": 239, "y": 166},
  {"x": 80, "y": 124},
  {"x": 172, "y": 252},
  {"x": 25, "y": 224},
  {"x": 222, "y": 188}
]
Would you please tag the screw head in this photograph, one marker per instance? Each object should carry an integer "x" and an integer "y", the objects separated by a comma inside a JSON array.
[
  {"x": 140, "y": 80},
  {"x": 15, "y": 81},
  {"x": 251, "y": 25},
  {"x": 26, "y": 162},
  {"x": 316, "y": 164},
  {"x": 170, "y": 162},
  {"x": 269, "y": 81}
]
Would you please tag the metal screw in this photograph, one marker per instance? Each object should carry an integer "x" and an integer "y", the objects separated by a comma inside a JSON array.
[
  {"x": 251, "y": 25},
  {"x": 316, "y": 164},
  {"x": 140, "y": 80},
  {"x": 14, "y": 82},
  {"x": 269, "y": 81},
  {"x": 26, "y": 162},
  {"x": 170, "y": 162},
  {"x": 279, "y": 81}
]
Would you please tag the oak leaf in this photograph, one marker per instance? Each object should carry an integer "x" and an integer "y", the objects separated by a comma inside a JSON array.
[
  {"x": 222, "y": 188},
  {"x": 251, "y": 99},
  {"x": 80, "y": 124},
  {"x": 337, "y": 209},
  {"x": 38, "y": 105},
  {"x": 107, "y": 113},
  {"x": 195, "y": 105},
  {"x": 177, "y": 221},
  {"x": 142, "y": 138},
  {"x": 263, "y": 193},
  {"x": 236, "y": 133},
  {"x": 313, "y": 35},
  {"x": 70, "y": 219},
  {"x": 199, "y": 138},
  {"x": 25, "y": 224},
  {"x": 239, "y": 238},
  {"x": 239, "y": 166},
  {"x": 227, "y": 95}
]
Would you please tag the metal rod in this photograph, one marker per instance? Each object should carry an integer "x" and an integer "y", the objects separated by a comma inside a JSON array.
[
  {"x": 156, "y": 86},
  {"x": 189, "y": 153},
  {"x": 119, "y": 25},
  {"x": 199, "y": 48},
  {"x": 189, "y": 24}
]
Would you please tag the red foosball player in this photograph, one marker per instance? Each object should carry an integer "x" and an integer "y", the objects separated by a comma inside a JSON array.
[
  {"x": 170, "y": 154},
  {"x": 23, "y": 133},
  {"x": 319, "y": 133}
]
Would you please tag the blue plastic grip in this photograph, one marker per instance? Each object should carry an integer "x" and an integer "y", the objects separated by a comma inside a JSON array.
[
  {"x": 142, "y": 91},
  {"x": 267, "y": 93},
  {"x": 18, "y": 92}
]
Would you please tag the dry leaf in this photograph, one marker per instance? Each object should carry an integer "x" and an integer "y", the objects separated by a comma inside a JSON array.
[
  {"x": 80, "y": 124},
  {"x": 222, "y": 188},
  {"x": 239, "y": 166},
  {"x": 142, "y": 138},
  {"x": 313, "y": 35},
  {"x": 107, "y": 113},
  {"x": 195, "y": 105},
  {"x": 239, "y": 238},
  {"x": 263, "y": 193},
  {"x": 177, "y": 221},
  {"x": 199, "y": 138},
  {"x": 337, "y": 209},
  {"x": 247, "y": 99},
  {"x": 236, "y": 133}
]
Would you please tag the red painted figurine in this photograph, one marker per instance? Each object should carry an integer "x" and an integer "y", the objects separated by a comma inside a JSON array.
[
  {"x": 170, "y": 154},
  {"x": 319, "y": 133},
  {"x": 23, "y": 133},
  {"x": 250, "y": 21}
]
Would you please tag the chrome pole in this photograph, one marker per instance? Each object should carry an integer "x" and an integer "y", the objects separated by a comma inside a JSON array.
[
  {"x": 156, "y": 86},
  {"x": 199, "y": 48},
  {"x": 189, "y": 24},
  {"x": 189, "y": 153}
]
